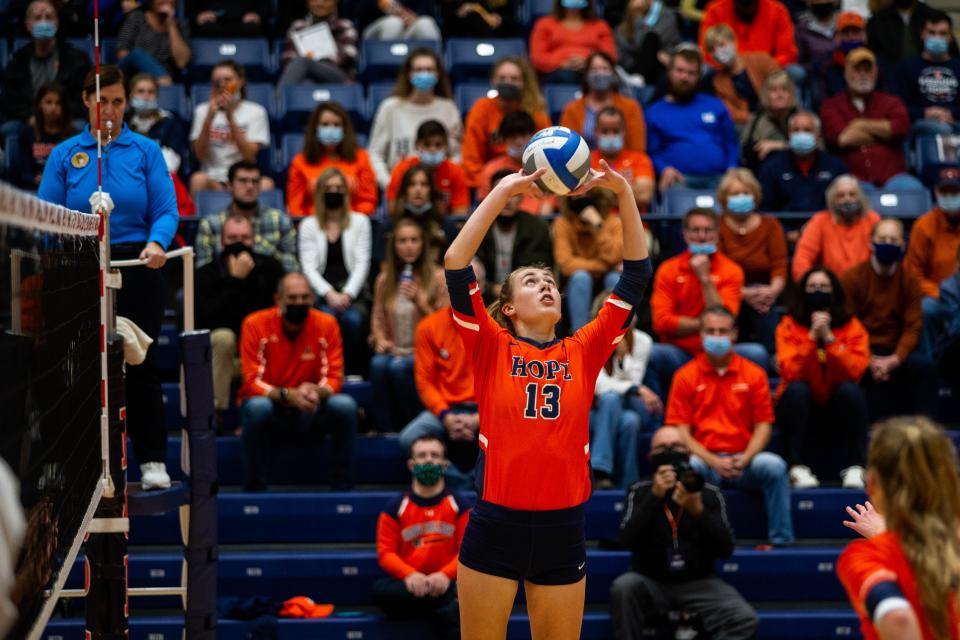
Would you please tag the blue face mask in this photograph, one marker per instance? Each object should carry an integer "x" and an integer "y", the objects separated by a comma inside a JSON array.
[
  {"x": 887, "y": 254},
  {"x": 142, "y": 104},
  {"x": 610, "y": 144},
  {"x": 423, "y": 80},
  {"x": 330, "y": 135},
  {"x": 574, "y": 4},
  {"x": 718, "y": 346},
  {"x": 43, "y": 30},
  {"x": 936, "y": 45},
  {"x": 802, "y": 142},
  {"x": 741, "y": 204},
  {"x": 432, "y": 159},
  {"x": 849, "y": 45},
  {"x": 949, "y": 201},
  {"x": 703, "y": 248}
]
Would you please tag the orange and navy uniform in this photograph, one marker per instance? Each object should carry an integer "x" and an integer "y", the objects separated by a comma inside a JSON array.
[
  {"x": 534, "y": 399},
  {"x": 721, "y": 408},
  {"x": 421, "y": 534},
  {"x": 878, "y": 579},
  {"x": 268, "y": 358},
  {"x": 441, "y": 367},
  {"x": 448, "y": 179}
]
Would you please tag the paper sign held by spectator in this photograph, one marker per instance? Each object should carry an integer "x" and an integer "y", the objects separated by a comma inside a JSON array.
[{"x": 315, "y": 42}]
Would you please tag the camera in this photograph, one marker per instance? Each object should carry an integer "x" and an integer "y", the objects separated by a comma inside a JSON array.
[{"x": 680, "y": 461}]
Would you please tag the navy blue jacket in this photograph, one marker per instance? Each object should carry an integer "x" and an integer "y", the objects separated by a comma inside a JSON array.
[{"x": 785, "y": 188}]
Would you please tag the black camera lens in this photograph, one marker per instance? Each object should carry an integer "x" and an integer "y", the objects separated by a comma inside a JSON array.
[{"x": 691, "y": 480}]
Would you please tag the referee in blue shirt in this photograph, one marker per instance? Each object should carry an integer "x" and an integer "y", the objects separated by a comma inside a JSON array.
[{"x": 138, "y": 190}]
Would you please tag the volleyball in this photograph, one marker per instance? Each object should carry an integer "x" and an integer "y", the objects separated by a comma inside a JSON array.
[{"x": 563, "y": 153}]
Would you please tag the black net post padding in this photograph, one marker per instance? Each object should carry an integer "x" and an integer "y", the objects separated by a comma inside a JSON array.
[
  {"x": 107, "y": 606},
  {"x": 200, "y": 622}
]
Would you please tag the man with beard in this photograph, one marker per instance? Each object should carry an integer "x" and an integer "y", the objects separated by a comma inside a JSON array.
[
  {"x": 273, "y": 232},
  {"x": 690, "y": 136}
]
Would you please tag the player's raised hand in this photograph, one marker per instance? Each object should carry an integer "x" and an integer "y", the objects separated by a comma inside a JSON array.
[
  {"x": 518, "y": 183},
  {"x": 604, "y": 178},
  {"x": 866, "y": 521}
]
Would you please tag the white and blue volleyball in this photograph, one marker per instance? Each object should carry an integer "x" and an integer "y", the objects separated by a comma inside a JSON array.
[{"x": 563, "y": 153}]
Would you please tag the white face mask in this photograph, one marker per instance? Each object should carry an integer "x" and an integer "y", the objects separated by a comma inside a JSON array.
[{"x": 724, "y": 54}]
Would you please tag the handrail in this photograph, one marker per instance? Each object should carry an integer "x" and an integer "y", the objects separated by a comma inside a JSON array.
[{"x": 187, "y": 253}]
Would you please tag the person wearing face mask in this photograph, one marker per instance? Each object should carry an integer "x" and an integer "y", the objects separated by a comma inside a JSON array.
[
  {"x": 147, "y": 118},
  {"x": 291, "y": 360},
  {"x": 516, "y": 129},
  {"x": 895, "y": 31},
  {"x": 816, "y": 28},
  {"x": 419, "y": 200},
  {"x": 432, "y": 150},
  {"x": 930, "y": 82},
  {"x": 738, "y": 77},
  {"x": 228, "y": 290},
  {"x": 635, "y": 166},
  {"x": 796, "y": 178},
  {"x": 838, "y": 238},
  {"x": 822, "y": 351},
  {"x": 887, "y": 299},
  {"x": 418, "y": 541},
  {"x": 676, "y": 537},
  {"x": 828, "y": 69},
  {"x": 759, "y": 25},
  {"x": 935, "y": 237},
  {"x": 600, "y": 86},
  {"x": 330, "y": 142},
  {"x": 340, "y": 67},
  {"x": 721, "y": 404},
  {"x": 560, "y": 43},
  {"x": 646, "y": 32}
]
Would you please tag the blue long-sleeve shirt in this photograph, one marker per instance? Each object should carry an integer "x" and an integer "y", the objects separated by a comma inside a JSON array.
[
  {"x": 695, "y": 137},
  {"x": 134, "y": 174}
]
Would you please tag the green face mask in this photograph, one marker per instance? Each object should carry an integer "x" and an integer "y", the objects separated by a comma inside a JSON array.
[{"x": 428, "y": 473}]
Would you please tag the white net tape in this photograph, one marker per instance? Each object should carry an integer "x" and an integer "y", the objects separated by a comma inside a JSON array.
[{"x": 25, "y": 210}]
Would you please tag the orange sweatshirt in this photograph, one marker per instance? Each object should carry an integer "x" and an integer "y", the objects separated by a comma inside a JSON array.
[
  {"x": 552, "y": 44},
  {"x": 771, "y": 30},
  {"x": 635, "y": 137},
  {"x": 441, "y": 368},
  {"x": 480, "y": 140},
  {"x": 758, "y": 65},
  {"x": 932, "y": 254},
  {"x": 834, "y": 245},
  {"x": 844, "y": 360},
  {"x": 577, "y": 247},
  {"x": 421, "y": 534},
  {"x": 302, "y": 180}
]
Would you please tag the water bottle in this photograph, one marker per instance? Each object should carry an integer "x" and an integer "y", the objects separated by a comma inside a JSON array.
[{"x": 403, "y": 313}]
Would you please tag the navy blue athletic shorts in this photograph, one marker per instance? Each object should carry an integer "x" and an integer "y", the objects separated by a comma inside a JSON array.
[{"x": 544, "y": 547}]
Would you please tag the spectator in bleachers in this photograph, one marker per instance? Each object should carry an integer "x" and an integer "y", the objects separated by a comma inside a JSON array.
[
  {"x": 419, "y": 200},
  {"x": 153, "y": 40},
  {"x": 676, "y": 570},
  {"x": 888, "y": 300},
  {"x": 588, "y": 251},
  {"x": 147, "y": 118},
  {"x": 418, "y": 543},
  {"x": 44, "y": 59},
  {"x": 633, "y": 165},
  {"x": 739, "y": 78},
  {"x": 561, "y": 43},
  {"x": 291, "y": 359},
  {"x": 815, "y": 31},
  {"x": 601, "y": 88},
  {"x": 479, "y": 18},
  {"x": 433, "y": 151},
  {"x": 822, "y": 351},
  {"x": 838, "y": 238},
  {"x": 685, "y": 285},
  {"x": 517, "y": 238},
  {"x": 226, "y": 18},
  {"x": 757, "y": 243},
  {"x": 227, "y": 290},
  {"x": 51, "y": 126},
  {"x": 867, "y": 127},
  {"x": 422, "y": 93},
  {"x": 930, "y": 82},
  {"x": 517, "y": 90},
  {"x": 329, "y": 141},
  {"x": 622, "y": 408},
  {"x": 759, "y": 25},
  {"x": 409, "y": 287},
  {"x": 690, "y": 136},
  {"x": 226, "y": 129},
  {"x": 273, "y": 232},
  {"x": 339, "y": 68},
  {"x": 334, "y": 247},
  {"x": 828, "y": 70},
  {"x": 515, "y": 130},
  {"x": 894, "y": 31},
  {"x": 946, "y": 337},
  {"x": 721, "y": 404},
  {"x": 646, "y": 33},
  {"x": 409, "y": 20},
  {"x": 796, "y": 179},
  {"x": 766, "y": 132}
]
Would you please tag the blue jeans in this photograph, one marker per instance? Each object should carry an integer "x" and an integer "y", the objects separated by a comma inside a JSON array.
[
  {"x": 580, "y": 293},
  {"x": 666, "y": 359},
  {"x": 614, "y": 431},
  {"x": 139, "y": 61},
  {"x": 768, "y": 473},
  {"x": 428, "y": 424},
  {"x": 353, "y": 331},
  {"x": 261, "y": 416},
  {"x": 933, "y": 338},
  {"x": 395, "y": 400}
]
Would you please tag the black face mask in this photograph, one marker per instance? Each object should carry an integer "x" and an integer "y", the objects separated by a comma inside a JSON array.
[
  {"x": 296, "y": 314},
  {"x": 823, "y": 10},
  {"x": 235, "y": 249},
  {"x": 819, "y": 300},
  {"x": 333, "y": 200},
  {"x": 508, "y": 91}
]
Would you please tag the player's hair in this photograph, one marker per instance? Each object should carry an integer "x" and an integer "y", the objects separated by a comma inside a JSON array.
[
  {"x": 430, "y": 128},
  {"x": 427, "y": 437},
  {"x": 531, "y": 99},
  {"x": 110, "y": 74},
  {"x": 699, "y": 211},
  {"x": 915, "y": 464},
  {"x": 320, "y": 207},
  {"x": 423, "y": 267},
  {"x": 745, "y": 177},
  {"x": 506, "y": 295},
  {"x": 313, "y": 151},
  {"x": 404, "y": 88}
]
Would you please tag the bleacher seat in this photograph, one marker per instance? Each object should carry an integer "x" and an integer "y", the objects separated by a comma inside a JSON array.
[
  {"x": 260, "y": 92},
  {"x": 472, "y": 58},
  {"x": 209, "y": 202},
  {"x": 900, "y": 203},
  {"x": 468, "y": 93},
  {"x": 558, "y": 95},
  {"x": 377, "y": 92},
  {"x": 676, "y": 201},
  {"x": 253, "y": 54},
  {"x": 297, "y": 102},
  {"x": 290, "y": 145},
  {"x": 929, "y": 157},
  {"x": 173, "y": 98},
  {"x": 382, "y": 59}
]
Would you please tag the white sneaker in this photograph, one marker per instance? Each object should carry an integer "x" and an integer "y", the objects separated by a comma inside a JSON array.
[
  {"x": 852, "y": 477},
  {"x": 153, "y": 475},
  {"x": 802, "y": 478}
]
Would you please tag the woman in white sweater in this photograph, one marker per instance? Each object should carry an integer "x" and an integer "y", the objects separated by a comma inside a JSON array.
[
  {"x": 422, "y": 93},
  {"x": 334, "y": 247}
]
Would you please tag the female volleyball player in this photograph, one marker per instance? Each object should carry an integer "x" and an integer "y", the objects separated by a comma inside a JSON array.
[
  {"x": 903, "y": 581},
  {"x": 534, "y": 394}
]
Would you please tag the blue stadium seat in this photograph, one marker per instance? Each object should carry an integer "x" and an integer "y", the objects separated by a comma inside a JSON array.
[
  {"x": 558, "y": 95},
  {"x": 377, "y": 92},
  {"x": 382, "y": 59},
  {"x": 901, "y": 203},
  {"x": 173, "y": 98},
  {"x": 928, "y": 158},
  {"x": 468, "y": 58},
  {"x": 290, "y": 145},
  {"x": 298, "y": 101},
  {"x": 538, "y": 9},
  {"x": 466, "y": 94},
  {"x": 676, "y": 201},
  {"x": 209, "y": 202},
  {"x": 253, "y": 54}
]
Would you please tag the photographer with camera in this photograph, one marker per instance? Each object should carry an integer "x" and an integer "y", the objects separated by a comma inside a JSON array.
[{"x": 676, "y": 528}]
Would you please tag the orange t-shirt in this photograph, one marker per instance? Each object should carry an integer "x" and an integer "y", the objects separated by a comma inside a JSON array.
[
  {"x": 635, "y": 136},
  {"x": 677, "y": 292},
  {"x": 771, "y": 31},
  {"x": 441, "y": 369},
  {"x": 448, "y": 179},
  {"x": 302, "y": 180},
  {"x": 721, "y": 409},
  {"x": 629, "y": 163},
  {"x": 552, "y": 43},
  {"x": 480, "y": 140},
  {"x": 836, "y": 246},
  {"x": 932, "y": 254}
]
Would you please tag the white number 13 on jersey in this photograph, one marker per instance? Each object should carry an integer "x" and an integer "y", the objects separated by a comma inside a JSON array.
[{"x": 549, "y": 401}]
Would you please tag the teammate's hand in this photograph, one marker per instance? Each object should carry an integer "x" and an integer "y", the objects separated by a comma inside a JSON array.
[
  {"x": 866, "y": 521},
  {"x": 417, "y": 584},
  {"x": 154, "y": 255},
  {"x": 664, "y": 480},
  {"x": 101, "y": 202},
  {"x": 438, "y": 584}
]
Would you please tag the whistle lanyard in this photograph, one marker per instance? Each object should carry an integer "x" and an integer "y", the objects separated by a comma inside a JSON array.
[{"x": 674, "y": 525}]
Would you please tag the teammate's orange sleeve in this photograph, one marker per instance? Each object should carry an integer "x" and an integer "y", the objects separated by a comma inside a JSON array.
[{"x": 388, "y": 542}]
